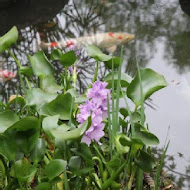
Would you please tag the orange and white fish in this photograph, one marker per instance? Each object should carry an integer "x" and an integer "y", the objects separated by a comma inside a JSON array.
[
  {"x": 6, "y": 75},
  {"x": 108, "y": 41}
]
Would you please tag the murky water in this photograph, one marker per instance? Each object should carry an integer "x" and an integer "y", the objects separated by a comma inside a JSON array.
[{"x": 162, "y": 42}]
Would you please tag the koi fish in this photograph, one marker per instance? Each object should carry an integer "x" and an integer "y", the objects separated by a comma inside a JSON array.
[
  {"x": 6, "y": 75},
  {"x": 108, "y": 41}
]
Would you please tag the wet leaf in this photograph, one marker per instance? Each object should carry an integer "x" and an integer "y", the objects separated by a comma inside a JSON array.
[
  {"x": 8, "y": 39},
  {"x": 125, "y": 79},
  {"x": 40, "y": 65},
  {"x": 49, "y": 85},
  {"x": 151, "y": 82},
  {"x": 145, "y": 161},
  {"x": 96, "y": 53},
  {"x": 7, "y": 118},
  {"x": 55, "y": 168}
]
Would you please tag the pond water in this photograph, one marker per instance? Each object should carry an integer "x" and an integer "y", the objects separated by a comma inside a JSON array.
[{"x": 162, "y": 43}]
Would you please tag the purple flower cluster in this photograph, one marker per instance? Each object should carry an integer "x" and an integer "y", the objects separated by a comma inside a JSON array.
[{"x": 96, "y": 107}]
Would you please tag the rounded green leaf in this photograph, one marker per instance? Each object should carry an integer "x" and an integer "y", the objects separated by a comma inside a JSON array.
[
  {"x": 150, "y": 81},
  {"x": 40, "y": 64},
  {"x": 49, "y": 85},
  {"x": 142, "y": 134},
  {"x": 37, "y": 97},
  {"x": 56, "y": 54},
  {"x": 38, "y": 151},
  {"x": 145, "y": 161},
  {"x": 125, "y": 79},
  {"x": 55, "y": 168},
  {"x": 8, "y": 39},
  {"x": 61, "y": 105},
  {"x": 25, "y": 133},
  {"x": 124, "y": 112},
  {"x": 122, "y": 148},
  {"x": 67, "y": 59},
  {"x": 96, "y": 53},
  {"x": 7, "y": 118},
  {"x": 74, "y": 163},
  {"x": 72, "y": 134},
  {"x": 18, "y": 100}
]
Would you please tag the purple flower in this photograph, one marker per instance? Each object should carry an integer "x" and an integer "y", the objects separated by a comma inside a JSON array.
[{"x": 96, "y": 107}]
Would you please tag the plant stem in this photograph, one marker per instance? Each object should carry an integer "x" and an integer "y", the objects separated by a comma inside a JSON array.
[
  {"x": 132, "y": 177},
  {"x": 96, "y": 72}
]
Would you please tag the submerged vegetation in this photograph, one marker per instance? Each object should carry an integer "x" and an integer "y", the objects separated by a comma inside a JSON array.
[{"x": 54, "y": 138}]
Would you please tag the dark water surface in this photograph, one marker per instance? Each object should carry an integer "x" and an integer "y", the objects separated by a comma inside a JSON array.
[{"x": 162, "y": 42}]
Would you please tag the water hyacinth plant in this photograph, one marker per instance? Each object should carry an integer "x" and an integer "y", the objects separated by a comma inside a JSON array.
[{"x": 52, "y": 138}]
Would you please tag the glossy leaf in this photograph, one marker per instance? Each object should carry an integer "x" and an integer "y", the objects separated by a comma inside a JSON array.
[
  {"x": 24, "y": 171},
  {"x": 72, "y": 134},
  {"x": 36, "y": 97},
  {"x": 61, "y": 105},
  {"x": 38, "y": 151},
  {"x": 25, "y": 133},
  {"x": 116, "y": 61},
  {"x": 26, "y": 71},
  {"x": 49, "y": 85},
  {"x": 151, "y": 82},
  {"x": 55, "y": 168},
  {"x": 50, "y": 124},
  {"x": 8, "y": 147},
  {"x": 145, "y": 161},
  {"x": 125, "y": 79},
  {"x": 7, "y": 118},
  {"x": 147, "y": 138},
  {"x": 40, "y": 65},
  {"x": 8, "y": 39},
  {"x": 96, "y": 53}
]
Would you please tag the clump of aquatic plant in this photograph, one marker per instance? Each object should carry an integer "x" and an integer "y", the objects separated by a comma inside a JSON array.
[{"x": 51, "y": 137}]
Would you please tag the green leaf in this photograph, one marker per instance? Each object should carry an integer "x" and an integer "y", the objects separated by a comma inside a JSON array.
[
  {"x": 116, "y": 61},
  {"x": 8, "y": 147},
  {"x": 38, "y": 151},
  {"x": 73, "y": 134},
  {"x": 24, "y": 171},
  {"x": 55, "y": 168},
  {"x": 122, "y": 148},
  {"x": 8, "y": 39},
  {"x": 142, "y": 134},
  {"x": 125, "y": 79},
  {"x": 114, "y": 162},
  {"x": 61, "y": 105},
  {"x": 67, "y": 59},
  {"x": 145, "y": 161},
  {"x": 74, "y": 163},
  {"x": 49, "y": 124},
  {"x": 151, "y": 82},
  {"x": 7, "y": 118},
  {"x": 49, "y": 85},
  {"x": 124, "y": 112},
  {"x": 18, "y": 100},
  {"x": 36, "y": 97},
  {"x": 26, "y": 71},
  {"x": 44, "y": 186},
  {"x": 25, "y": 133},
  {"x": 40, "y": 65},
  {"x": 96, "y": 53}
]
